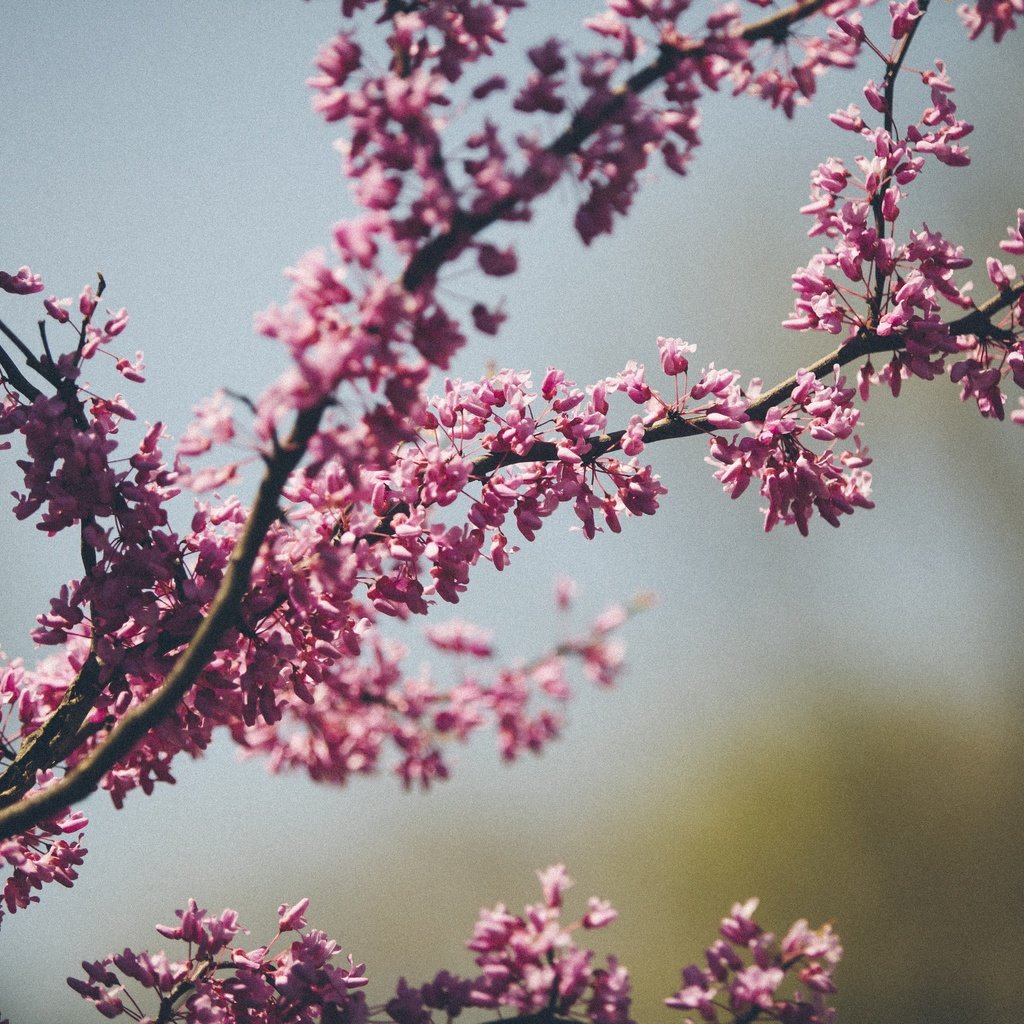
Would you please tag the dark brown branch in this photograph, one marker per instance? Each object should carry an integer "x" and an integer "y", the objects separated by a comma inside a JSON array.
[
  {"x": 85, "y": 777},
  {"x": 57, "y": 737},
  {"x": 893, "y": 65},
  {"x": 465, "y": 225},
  {"x": 25, "y": 351},
  {"x": 12, "y": 371},
  {"x": 775, "y": 27},
  {"x": 49, "y": 373},
  {"x": 977, "y": 322}
]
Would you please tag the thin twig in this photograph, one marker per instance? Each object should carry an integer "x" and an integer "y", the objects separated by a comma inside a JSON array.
[{"x": 674, "y": 426}]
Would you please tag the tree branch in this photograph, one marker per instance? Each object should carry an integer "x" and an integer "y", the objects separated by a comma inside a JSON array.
[
  {"x": 11, "y": 369},
  {"x": 48, "y": 372},
  {"x": 57, "y": 737},
  {"x": 465, "y": 225},
  {"x": 85, "y": 777},
  {"x": 978, "y": 321},
  {"x": 893, "y": 65}
]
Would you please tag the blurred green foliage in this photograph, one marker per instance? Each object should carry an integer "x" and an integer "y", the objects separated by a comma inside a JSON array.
[
  {"x": 904, "y": 823},
  {"x": 901, "y": 820}
]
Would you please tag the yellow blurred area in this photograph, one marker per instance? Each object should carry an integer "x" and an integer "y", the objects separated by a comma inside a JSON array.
[
  {"x": 904, "y": 823},
  {"x": 901, "y": 822}
]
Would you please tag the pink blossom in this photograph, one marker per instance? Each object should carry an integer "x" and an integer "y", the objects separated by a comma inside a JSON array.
[
  {"x": 541, "y": 91},
  {"x": 633, "y": 439},
  {"x": 1015, "y": 244},
  {"x": 673, "y": 352},
  {"x": 554, "y": 882},
  {"x": 599, "y": 913},
  {"x": 298, "y": 980},
  {"x": 292, "y": 918},
  {"x": 754, "y": 987},
  {"x": 903, "y": 15},
  {"x": 87, "y": 301},
  {"x": 739, "y": 928},
  {"x": 497, "y": 262},
  {"x": 23, "y": 282},
  {"x": 1000, "y": 274},
  {"x": 458, "y": 637},
  {"x": 1000, "y": 15},
  {"x": 396, "y": 499},
  {"x": 57, "y": 308},
  {"x": 117, "y": 323}
]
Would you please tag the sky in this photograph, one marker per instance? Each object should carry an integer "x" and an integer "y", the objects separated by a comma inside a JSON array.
[{"x": 172, "y": 147}]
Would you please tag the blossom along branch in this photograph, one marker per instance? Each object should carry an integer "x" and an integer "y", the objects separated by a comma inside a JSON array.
[
  {"x": 531, "y": 964},
  {"x": 673, "y": 50},
  {"x": 57, "y": 737},
  {"x": 267, "y": 622},
  {"x": 83, "y": 779},
  {"x": 673, "y": 425},
  {"x": 976, "y": 324},
  {"x": 62, "y": 727}
]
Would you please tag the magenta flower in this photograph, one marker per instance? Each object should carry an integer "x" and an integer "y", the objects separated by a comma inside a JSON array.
[{"x": 23, "y": 282}]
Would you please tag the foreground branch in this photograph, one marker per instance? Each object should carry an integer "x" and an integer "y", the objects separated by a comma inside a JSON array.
[
  {"x": 422, "y": 269},
  {"x": 85, "y": 777}
]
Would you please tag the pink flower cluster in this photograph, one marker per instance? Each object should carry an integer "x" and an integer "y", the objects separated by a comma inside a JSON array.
[
  {"x": 984, "y": 362},
  {"x": 729, "y": 52},
  {"x": 22, "y": 282},
  {"x": 497, "y": 422},
  {"x": 885, "y": 287},
  {"x": 220, "y": 984},
  {"x": 397, "y": 120},
  {"x": 747, "y": 968},
  {"x": 41, "y": 855},
  {"x": 530, "y": 964},
  {"x": 868, "y": 284},
  {"x": 999, "y": 15},
  {"x": 797, "y": 481},
  {"x": 316, "y": 688},
  {"x": 396, "y": 497}
]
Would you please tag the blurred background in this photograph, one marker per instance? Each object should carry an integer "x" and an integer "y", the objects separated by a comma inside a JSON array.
[{"x": 833, "y": 724}]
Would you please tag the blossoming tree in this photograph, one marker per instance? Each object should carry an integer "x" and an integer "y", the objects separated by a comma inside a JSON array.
[{"x": 378, "y": 501}]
